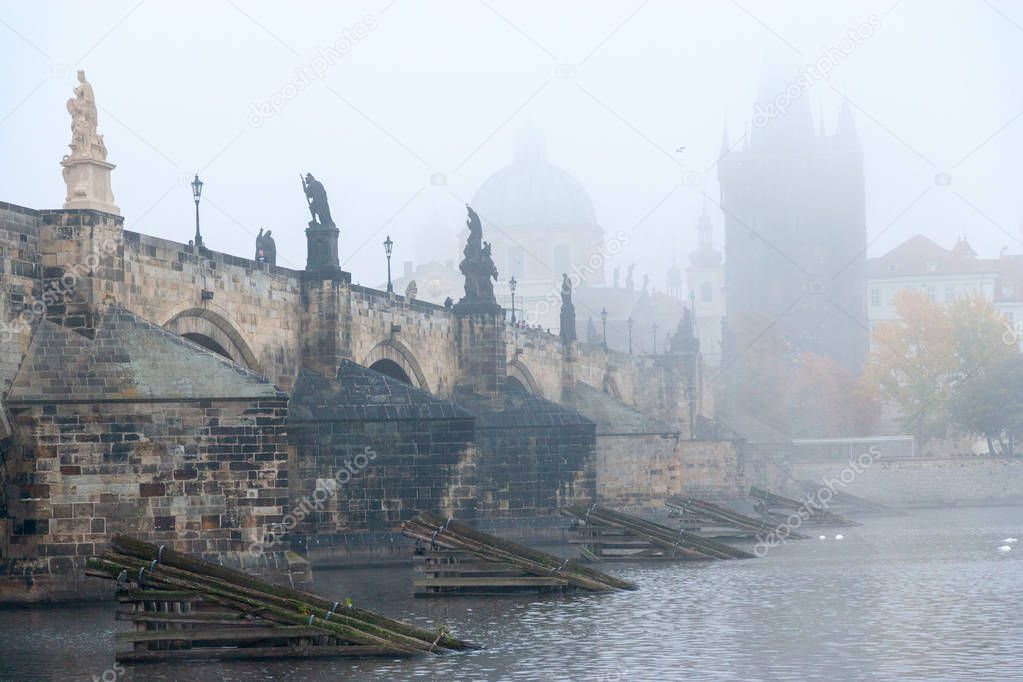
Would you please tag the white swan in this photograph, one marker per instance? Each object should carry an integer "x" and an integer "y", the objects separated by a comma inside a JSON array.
[
  {"x": 1005, "y": 548},
  {"x": 822, "y": 537},
  {"x": 1010, "y": 541},
  {"x": 840, "y": 537}
]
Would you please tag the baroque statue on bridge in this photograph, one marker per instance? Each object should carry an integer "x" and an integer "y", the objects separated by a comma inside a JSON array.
[
  {"x": 86, "y": 169},
  {"x": 567, "y": 310},
  {"x": 86, "y": 142},
  {"x": 316, "y": 195},
  {"x": 477, "y": 266}
]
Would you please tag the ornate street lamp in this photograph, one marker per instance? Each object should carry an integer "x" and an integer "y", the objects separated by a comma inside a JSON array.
[
  {"x": 655, "y": 338},
  {"x": 511, "y": 285},
  {"x": 628, "y": 325},
  {"x": 388, "y": 247},
  {"x": 603, "y": 323},
  {"x": 196, "y": 193}
]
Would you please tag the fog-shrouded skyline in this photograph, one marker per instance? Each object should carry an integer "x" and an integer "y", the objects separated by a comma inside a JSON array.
[{"x": 404, "y": 109}]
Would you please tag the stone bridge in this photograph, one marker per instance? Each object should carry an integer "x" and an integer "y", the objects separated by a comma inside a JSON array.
[{"x": 199, "y": 398}]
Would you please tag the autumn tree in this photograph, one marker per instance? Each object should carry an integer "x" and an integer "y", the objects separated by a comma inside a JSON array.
[
  {"x": 920, "y": 359},
  {"x": 990, "y": 403},
  {"x": 828, "y": 400},
  {"x": 912, "y": 362}
]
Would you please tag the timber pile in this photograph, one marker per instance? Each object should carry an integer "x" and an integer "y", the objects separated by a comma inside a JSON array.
[
  {"x": 808, "y": 511},
  {"x": 184, "y": 607},
  {"x": 702, "y": 516},
  {"x": 458, "y": 560},
  {"x": 608, "y": 534}
]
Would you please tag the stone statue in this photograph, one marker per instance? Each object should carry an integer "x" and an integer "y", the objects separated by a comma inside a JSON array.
[
  {"x": 592, "y": 337},
  {"x": 86, "y": 169},
  {"x": 317, "y": 197},
  {"x": 477, "y": 266},
  {"x": 411, "y": 291},
  {"x": 646, "y": 282},
  {"x": 567, "y": 311},
  {"x": 628, "y": 278},
  {"x": 617, "y": 272},
  {"x": 86, "y": 142},
  {"x": 266, "y": 248}
]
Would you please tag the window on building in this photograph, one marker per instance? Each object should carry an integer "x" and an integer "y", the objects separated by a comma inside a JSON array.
[
  {"x": 931, "y": 294},
  {"x": 950, "y": 294},
  {"x": 875, "y": 297}
]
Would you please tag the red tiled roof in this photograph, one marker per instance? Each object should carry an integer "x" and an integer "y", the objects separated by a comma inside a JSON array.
[{"x": 921, "y": 256}]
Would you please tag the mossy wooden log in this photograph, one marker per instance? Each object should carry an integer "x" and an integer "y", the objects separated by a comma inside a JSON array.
[
  {"x": 451, "y": 534},
  {"x": 270, "y": 606},
  {"x": 717, "y": 513},
  {"x": 146, "y": 551},
  {"x": 669, "y": 539},
  {"x": 806, "y": 510}
]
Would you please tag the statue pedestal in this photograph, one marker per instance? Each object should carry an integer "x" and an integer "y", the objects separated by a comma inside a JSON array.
[
  {"x": 322, "y": 243},
  {"x": 88, "y": 185}
]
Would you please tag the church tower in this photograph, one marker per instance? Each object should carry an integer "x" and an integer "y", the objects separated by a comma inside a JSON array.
[
  {"x": 705, "y": 277},
  {"x": 795, "y": 227}
]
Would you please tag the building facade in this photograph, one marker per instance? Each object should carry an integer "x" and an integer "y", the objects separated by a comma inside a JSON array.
[{"x": 920, "y": 264}]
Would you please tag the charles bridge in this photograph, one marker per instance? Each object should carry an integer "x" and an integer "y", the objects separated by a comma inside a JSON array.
[{"x": 269, "y": 417}]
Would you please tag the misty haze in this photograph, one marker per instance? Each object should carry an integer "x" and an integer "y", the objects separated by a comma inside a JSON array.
[{"x": 494, "y": 340}]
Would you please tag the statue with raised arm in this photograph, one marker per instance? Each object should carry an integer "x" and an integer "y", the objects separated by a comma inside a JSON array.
[
  {"x": 477, "y": 266},
  {"x": 316, "y": 195}
]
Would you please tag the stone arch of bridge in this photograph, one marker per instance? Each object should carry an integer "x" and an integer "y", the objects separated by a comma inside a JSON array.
[
  {"x": 395, "y": 351},
  {"x": 519, "y": 371},
  {"x": 214, "y": 332}
]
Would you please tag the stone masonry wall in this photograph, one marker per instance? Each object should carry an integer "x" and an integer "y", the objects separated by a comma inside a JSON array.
[
  {"x": 637, "y": 470},
  {"x": 21, "y": 282},
  {"x": 202, "y": 477},
  {"x": 712, "y": 470},
  {"x": 924, "y": 481}
]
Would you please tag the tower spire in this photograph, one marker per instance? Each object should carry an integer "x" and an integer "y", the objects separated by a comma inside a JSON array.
[
  {"x": 725, "y": 144},
  {"x": 846, "y": 127}
]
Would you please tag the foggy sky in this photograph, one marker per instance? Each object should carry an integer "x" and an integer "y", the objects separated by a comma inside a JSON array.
[{"x": 441, "y": 88}]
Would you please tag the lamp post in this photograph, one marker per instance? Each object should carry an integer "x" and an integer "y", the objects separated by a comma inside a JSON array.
[
  {"x": 603, "y": 323},
  {"x": 655, "y": 338},
  {"x": 196, "y": 193},
  {"x": 511, "y": 285},
  {"x": 628, "y": 325},
  {"x": 388, "y": 247}
]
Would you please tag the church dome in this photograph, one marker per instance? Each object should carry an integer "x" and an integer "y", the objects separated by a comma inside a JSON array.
[{"x": 532, "y": 192}]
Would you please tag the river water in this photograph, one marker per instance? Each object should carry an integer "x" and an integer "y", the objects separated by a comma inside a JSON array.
[{"x": 925, "y": 596}]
